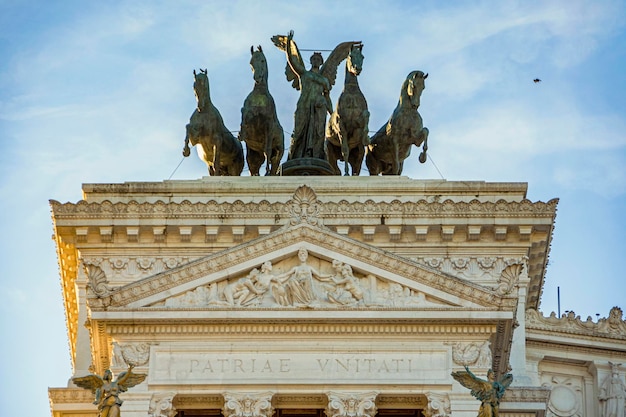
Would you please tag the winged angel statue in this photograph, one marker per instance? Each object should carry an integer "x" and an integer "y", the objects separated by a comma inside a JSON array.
[
  {"x": 488, "y": 392},
  {"x": 107, "y": 390},
  {"x": 307, "y": 140}
]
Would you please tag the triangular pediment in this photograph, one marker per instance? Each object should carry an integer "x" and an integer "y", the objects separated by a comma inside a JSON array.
[{"x": 338, "y": 273}]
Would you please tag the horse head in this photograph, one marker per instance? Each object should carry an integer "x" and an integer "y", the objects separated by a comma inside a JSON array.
[
  {"x": 201, "y": 88},
  {"x": 354, "y": 63},
  {"x": 413, "y": 87},
  {"x": 258, "y": 63}
]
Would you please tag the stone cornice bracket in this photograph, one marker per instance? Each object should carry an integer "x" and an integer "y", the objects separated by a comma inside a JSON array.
[
  {"x": 304, "y": 207},
  {"x": 438, "y": 405},
  {"x": 251, "y": 404},
  {"x": 162, "y": 405},
  {"x": 352, "y": 404}
]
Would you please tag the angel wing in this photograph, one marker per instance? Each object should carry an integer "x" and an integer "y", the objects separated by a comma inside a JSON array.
[
  {"x": 91, "y": 382},
  {"x": 506, "y": 380},
  {"x": 479, "y": 387},
  {"x": 280, "y": 41},
  {"x": 341, "y": 52},
  {"x": 129, "y": 379}
]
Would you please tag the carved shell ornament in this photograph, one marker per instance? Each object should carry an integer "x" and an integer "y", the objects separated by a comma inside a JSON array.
[
  {"x": 98, "y": 282},
  {"x": 304, "y": 207}
]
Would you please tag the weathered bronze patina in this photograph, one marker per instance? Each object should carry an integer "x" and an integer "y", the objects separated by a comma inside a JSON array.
[
  {"x": 260, "y": 128},
  {"x": 217, "y": 146},
  {"x": 307, "y": 140},
  {"x": 489, "y": 392},
  {"x": 391, "y": 145},
  {"x": 347, "y": 132}
]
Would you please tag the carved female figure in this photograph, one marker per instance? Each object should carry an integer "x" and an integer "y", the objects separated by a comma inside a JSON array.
[{"x": 299, "y": 285}]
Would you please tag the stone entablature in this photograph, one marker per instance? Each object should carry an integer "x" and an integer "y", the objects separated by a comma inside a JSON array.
[{"x": 432, "y": 222}]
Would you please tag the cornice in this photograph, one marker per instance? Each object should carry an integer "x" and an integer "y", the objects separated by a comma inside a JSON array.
[
  {"x": 613, "y": 327},
  {"x": 396, "y": 208}
]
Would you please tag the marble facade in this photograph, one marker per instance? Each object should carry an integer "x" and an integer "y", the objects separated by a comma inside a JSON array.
[{"x": 311, "y": 296}]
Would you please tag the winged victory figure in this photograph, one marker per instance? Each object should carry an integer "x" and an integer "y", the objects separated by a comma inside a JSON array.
[
  {"x": 307, "y": 140},
  {"x": 107, "y": 389},
  {"x": 489, "y": 392}
]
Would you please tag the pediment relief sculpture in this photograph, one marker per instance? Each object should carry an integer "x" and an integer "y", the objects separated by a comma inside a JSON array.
[{"x": 303, "y": 285}]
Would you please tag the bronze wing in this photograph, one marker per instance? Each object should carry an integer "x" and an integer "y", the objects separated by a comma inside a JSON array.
[
  {"x": 479, "y": 387},
  {"x": 341, "y": 52},
  {"x": 280, "y": 41},
  {"x": 91, "y": 382},
  {"x": 129, "y": 379},
  {"x": 506, "y": 380}
]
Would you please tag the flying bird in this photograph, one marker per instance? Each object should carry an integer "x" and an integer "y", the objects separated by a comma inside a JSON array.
[{"x": 536, "y": 80}]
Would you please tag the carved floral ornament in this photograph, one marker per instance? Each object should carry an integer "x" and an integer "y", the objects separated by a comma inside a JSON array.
[{"x": 612, "y": 327}]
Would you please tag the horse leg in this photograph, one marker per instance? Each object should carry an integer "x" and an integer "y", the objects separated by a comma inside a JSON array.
[
  {"x": 356, "y": 159},
  {"x": 332, "y": 157},
  {"x": 277, "y": 150},
  {"x": 345, "y": 147},
  {"x": 424, "y": 135},
  {"x": 254, "y": 160},
  {"x": 268, "y": 149},
  {"x": 373, "y": 165}
]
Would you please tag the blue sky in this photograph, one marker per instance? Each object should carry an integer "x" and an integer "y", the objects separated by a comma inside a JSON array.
[{"x": 98, "y": 92}]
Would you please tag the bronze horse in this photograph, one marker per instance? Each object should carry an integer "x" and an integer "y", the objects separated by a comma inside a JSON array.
[
  {"x": 391, "y": 145},
  {"x": 221, "y": 151},
  {"x": 347, "y": 130},
  {"x": 260, "y": 128}
]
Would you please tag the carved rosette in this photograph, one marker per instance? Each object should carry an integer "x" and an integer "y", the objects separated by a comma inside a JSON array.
[
  {"x": 162, "y": 405},
  {"x": 248, "y": 404},
  {"x": 438, "y": 405},
  {"x": 351, "y": 404}
]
